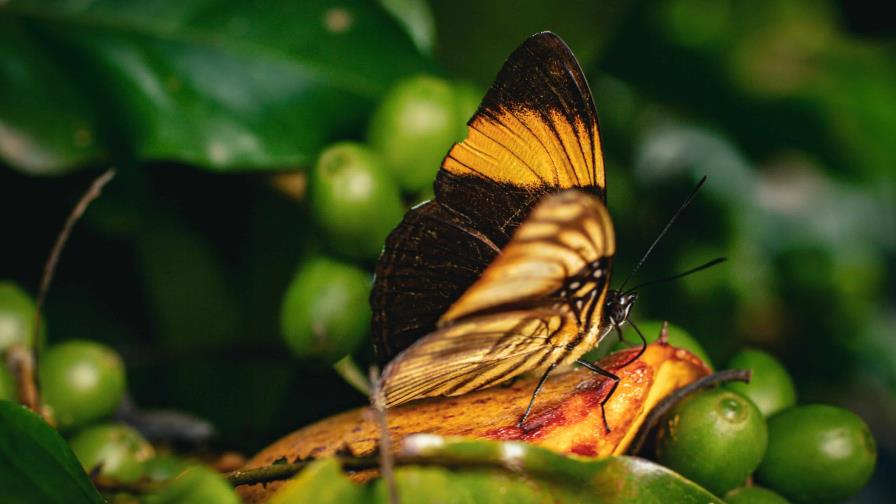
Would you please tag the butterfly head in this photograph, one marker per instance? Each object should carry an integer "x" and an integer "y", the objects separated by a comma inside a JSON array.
[{"x": 618, "y": 306}]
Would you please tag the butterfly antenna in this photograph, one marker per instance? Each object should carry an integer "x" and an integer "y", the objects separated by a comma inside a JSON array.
[
  {"x": 659, "y": 237},
  {"x": 702, "y": 267}
]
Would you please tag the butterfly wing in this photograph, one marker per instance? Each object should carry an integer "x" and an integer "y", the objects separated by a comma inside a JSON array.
[
  {"x": 477, "y": 353},
  {"x": 536, "y": 127},
  {"x": 523, "y": 313},
  {"x": 535, "y": 133}
]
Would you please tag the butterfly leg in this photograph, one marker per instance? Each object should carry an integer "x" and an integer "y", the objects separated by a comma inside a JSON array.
[
  {"x": 643, "y": 343},
  {"x": 543, "y": 379},
  {"x": 611, "y": 376}
]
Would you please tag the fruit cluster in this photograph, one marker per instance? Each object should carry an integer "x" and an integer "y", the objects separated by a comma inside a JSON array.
[
  {"x": 357, "y": 194},
  {"x": 798, "y": 453},
  {"x": 83, "y": 384}
]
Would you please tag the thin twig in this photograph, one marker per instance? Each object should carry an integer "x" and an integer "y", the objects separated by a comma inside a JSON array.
[
  {"x": 266, "y": 474},
  {"x": 352, "y": 374},
  {"x": 674, "y": 398},
  {"x": 276, "y": 472},
  {"x": 387, "y": 461},
  {"x": 29, "y": 385}
]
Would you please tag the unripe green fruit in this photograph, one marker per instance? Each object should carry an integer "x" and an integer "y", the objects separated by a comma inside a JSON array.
[
  {"x": 415, "y": 125},
  {"x": 7, "y": 385},
  {"x": 16, "y": 316},
  {"x": 325, "y": 313},
  {"x": 714, "y": 437},
  {"x": 354, "y": 200},
  {"x": 753, "y": 495},
  {"x": 164, "y": 467},
  {"x": 817, "y": 453},
  {"x": 81, "y": 381},
  {"x": 771, "y": 388},
  {"x": 117, "y": 449}
]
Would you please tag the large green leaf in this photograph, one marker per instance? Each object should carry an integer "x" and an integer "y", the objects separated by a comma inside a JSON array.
[
  {"x": 477, "y": 471},
  {"x": 36, "y": 465},
  {"x": 222, "y": 84}
]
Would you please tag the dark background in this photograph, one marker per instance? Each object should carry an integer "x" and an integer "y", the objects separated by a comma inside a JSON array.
[{"x": 788, "y": 107}]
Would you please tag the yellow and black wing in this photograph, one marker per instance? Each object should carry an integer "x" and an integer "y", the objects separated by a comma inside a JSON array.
[
  {"x": 535, "y": 133},
  {"x": 538, "y": 304}
]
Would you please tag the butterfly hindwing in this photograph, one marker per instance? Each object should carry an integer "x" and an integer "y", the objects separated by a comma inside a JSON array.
[
  {"x": 535, "y": 133},
  {"x": 422, "y": 272},
  {"x": 539, "y": 303},
  {"x": 477, "y": 353}
]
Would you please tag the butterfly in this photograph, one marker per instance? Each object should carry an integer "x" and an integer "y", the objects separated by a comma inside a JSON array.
[{"x": 507, "y": 269}]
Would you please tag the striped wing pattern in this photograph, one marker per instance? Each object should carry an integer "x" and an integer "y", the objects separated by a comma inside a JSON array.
[
  {"x": 538, "y": 304},
  {"x": 478, "y": 353}
]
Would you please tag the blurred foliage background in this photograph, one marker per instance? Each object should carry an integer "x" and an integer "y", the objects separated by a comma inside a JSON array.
[{"x": 213, "y": 110}]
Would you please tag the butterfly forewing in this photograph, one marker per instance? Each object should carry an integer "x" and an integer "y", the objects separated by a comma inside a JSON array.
[
  {"x": 536, "y": 126},
  {"x": 535, "y": 133},
  {"x": 524, "y": 311}
]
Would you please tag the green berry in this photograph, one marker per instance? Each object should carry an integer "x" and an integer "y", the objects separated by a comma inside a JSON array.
[
  {"x": 354, "y": 200},
  {"x": 817, "y": 453},
  {"x": 415, "y": 125},
  {"x": 118, "y": 450},
  {"x": 770, "y": 387},
  {"x": 678, "y": 337},
  {"x": 325, "y": 313},
  {"x": 16, "y": 316},
  {"x": 163, "y": 467},
  {"x": 7, "y": 385},
  {"x": 197, "y": 485},
  {"x": 715, "y": 437},
  {"x": 81, "y": 381},
  {"x": 753, "y": 495}
]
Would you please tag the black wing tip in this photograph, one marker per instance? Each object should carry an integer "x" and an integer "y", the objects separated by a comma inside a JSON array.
[{"x": 548, "y": 39}]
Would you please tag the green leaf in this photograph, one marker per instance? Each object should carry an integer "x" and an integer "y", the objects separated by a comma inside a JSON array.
[
  {"x": 36, "y": 465},
  {"x": 416, "y": 16},
  {"x": 609, "y": 480},
  {"x": 322, "y": 482},
  {"x": 196, "y": 485},
  {"x": 471, "y": 471},
  {"x": 44, "y": 125},
  {"x": 222, "y": 84}
]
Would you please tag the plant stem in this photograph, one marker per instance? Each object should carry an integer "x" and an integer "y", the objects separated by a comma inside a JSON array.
[
  {"x": 28, "y": 381},
  {"x": 276, "y": 472}
]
